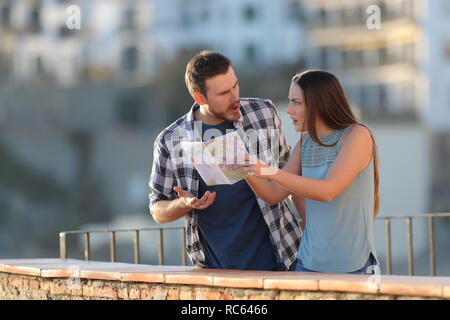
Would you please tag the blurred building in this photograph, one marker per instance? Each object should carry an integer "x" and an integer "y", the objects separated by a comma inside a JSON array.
[
  {"x": 78, "y": 109},
  {"x": 132, "y": 39},
  {"x": 43, "y": 43},
  {"x": 37, "y": 42},
  {"x": 393, "y": 60},
  {"x": 396, "y": 70},
  {"x": 383, "y": 69},
  {"x": 437, "y": 115},
  {"x": 251, "y": 32}
]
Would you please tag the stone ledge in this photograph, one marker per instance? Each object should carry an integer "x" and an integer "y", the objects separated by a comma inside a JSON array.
[{"x": 269, "y": 284}]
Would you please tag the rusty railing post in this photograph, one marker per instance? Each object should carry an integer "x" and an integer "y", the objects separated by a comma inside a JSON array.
[
  {"x": 410, "y": 247},
  {"x": 432, "y": 249},
  {"x": 62, "y": 246},
  {"x": 388, "y": 247},
  {"x": 183, "y": 246},
  {"x": 87, "y": 249},
  {"x": 112, "y": 239},
  {"x": 136, "y": 247},
  {"x": 161, "y": 247}
]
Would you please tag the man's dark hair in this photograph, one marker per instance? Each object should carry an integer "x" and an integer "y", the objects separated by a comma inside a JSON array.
[{"x": 202, "y": 66}]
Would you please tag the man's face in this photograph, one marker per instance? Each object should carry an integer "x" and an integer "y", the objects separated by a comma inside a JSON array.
[{"x": 222, "y": 97}]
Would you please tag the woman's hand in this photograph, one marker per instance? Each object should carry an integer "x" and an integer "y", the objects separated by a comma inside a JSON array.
[{"x": 258, "y": 168}]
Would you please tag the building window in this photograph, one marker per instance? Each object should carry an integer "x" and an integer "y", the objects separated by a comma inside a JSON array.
[
  {"x": 295, "y": 12},
  {"x": 64, "y": 32},
  {"x": 373, "y": 97},
  {"x": 249, "y": 13},
  {"x": 407, "y": 8},
  {"x": 353, "y": 95},
  {"x": 407, "y": 93},
  {"x": 205, "y": 14},
  {"x": 383, "y": 56},
  {"x": 370, "y": 58},
  {"x": 34, "y": 20},
  {"x": 447, "y": 50},
  {"x": 250, "y": 53},
  {"x": 130, "y": 59},
  {"x": 445, "y": 8},
  {"x": 5, "y": 13},
  {"x": 383, "y": 97},
  {"x": 186, "y": 15},
  {"x": 352, "y": 59},
  {"x": 351, "y": 16},
  {"x": 128, "y": 19},
  {"x": 39, "y": 65},
  {"x": 129, "y": 111},
  {"x": 322, "y": 17},
  {"x": 323, "y": 58},
  {"x": 408, "y": 53}
]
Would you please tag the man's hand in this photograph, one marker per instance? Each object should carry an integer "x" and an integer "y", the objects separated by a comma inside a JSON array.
[{"x": 191, "y": 202}]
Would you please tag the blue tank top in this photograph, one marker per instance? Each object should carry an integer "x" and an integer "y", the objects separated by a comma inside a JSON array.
[{"x": 338, "y": 237}]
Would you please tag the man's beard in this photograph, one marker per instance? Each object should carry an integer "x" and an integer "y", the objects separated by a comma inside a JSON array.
[{"x": 227, "y": 115}]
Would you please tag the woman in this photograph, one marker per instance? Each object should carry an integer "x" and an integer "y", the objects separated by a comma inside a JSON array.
[{"x": 334, "y": 168}]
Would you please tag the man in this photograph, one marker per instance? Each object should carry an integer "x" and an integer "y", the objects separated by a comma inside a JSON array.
[{"x": 227, "y": 226}]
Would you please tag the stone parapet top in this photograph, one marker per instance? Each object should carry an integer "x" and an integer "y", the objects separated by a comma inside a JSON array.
[{"x": 419, "y": 286}]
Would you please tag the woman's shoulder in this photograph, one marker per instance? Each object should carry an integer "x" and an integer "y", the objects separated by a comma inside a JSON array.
[{"x": 356, "y": 133}]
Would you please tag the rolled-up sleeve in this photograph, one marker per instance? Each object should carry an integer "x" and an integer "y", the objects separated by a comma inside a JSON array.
[{"x": 162, "y": 179}]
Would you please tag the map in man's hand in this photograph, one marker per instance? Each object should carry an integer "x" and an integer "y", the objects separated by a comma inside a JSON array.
[{"x": 217, "y": 160}]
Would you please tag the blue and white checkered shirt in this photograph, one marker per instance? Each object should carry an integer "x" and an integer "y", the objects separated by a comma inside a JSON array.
[{"x": 260, "y": 123}]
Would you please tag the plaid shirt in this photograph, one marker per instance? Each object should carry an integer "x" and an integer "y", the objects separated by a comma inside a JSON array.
[{"x": 258, "y": 116}]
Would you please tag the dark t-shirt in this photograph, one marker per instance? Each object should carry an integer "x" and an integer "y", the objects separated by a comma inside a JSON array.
[{"x": 232, "y": 231}]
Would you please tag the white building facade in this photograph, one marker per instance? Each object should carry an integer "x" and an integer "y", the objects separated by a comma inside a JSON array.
[
  {"x": 133, "y": 38},
  {"x": 397, "y": 76},
  {"x": 437, "y": 29}
]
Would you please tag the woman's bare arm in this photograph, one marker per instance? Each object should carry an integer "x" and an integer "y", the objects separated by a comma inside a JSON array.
[{"x": 353, "y": 157}]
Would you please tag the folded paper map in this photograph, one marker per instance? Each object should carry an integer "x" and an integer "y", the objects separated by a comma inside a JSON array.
[{"x": 217, "y": 160}]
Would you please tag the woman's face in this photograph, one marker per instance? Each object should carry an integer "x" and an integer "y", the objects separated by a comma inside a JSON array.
[{"x": 297, "y": 107}]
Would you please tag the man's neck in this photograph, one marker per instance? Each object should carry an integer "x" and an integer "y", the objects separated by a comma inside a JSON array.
[{"x": 202, "y": 114}]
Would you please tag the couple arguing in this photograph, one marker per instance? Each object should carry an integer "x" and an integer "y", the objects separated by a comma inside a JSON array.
[{"x": 331, "y": 176}]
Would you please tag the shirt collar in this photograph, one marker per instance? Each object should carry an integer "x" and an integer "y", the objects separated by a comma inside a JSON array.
[{"x": 190, "y": 115}]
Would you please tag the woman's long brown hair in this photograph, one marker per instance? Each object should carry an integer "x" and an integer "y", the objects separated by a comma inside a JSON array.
[{"x": 325, "y": 97}]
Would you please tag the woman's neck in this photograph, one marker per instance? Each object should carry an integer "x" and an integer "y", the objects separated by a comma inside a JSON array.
[{"x": 322, "y": 129}]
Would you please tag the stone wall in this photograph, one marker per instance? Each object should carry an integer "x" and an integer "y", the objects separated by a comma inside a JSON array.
[
  {"x": 23, "y": 287},
  {"x": 47, "y": 279}
]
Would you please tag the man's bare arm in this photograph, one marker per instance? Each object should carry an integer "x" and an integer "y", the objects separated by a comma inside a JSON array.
[{"x": 165, "y": 211}]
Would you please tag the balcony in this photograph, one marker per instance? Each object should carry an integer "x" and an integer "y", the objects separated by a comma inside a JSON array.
[
  {"x": 66, "y": 278},
  {"x": 42, "y": 279}
]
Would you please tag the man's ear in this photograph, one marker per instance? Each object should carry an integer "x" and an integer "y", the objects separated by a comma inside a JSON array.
[{"x": 199, "y": 98}]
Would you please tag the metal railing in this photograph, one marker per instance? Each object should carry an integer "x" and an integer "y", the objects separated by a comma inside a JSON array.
[
  {"x": 63, "y": 241},
  {"x": 87, "y": 252},
  {"x": 431, "y": 240}
]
